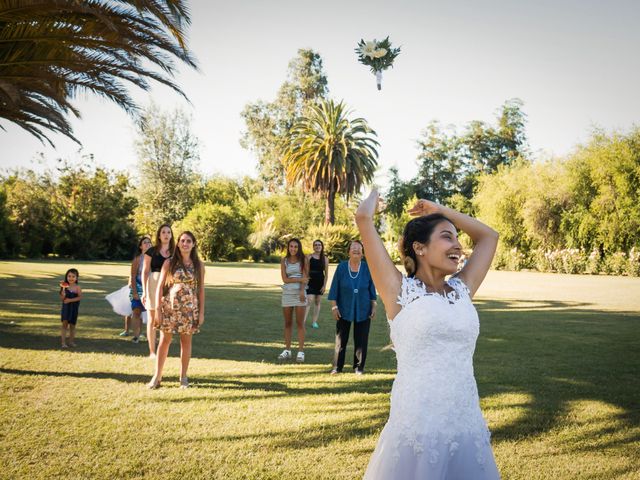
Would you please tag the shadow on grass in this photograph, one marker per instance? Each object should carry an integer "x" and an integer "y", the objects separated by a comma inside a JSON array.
[
  {"x": 120, "y": 377},
  {"x": 557, "y": 354},
  {"x": 250, "y": 383},
  {"x": 554, "y": 353},
  {"x": 341, "y": 429}
]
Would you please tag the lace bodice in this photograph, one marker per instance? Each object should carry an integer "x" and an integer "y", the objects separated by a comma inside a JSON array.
[{"x": 434, "y": 395}]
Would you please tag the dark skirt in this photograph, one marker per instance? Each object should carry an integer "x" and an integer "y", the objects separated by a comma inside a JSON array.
[
  {"x": 316, "y": 276},
  {"x": 70, "y": 312}
]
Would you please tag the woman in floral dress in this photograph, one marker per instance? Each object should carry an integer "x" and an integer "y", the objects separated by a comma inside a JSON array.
[{"x": 180, "y": 295}]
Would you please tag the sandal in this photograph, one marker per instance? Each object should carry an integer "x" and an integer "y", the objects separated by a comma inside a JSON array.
[{"x": 153, "y": 385}]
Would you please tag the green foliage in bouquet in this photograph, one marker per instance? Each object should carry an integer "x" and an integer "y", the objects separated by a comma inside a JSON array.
[{"x": 377, "y": 55}]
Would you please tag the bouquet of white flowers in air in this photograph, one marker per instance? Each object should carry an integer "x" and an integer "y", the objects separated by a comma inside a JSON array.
[{"x": 377, "y": 55}]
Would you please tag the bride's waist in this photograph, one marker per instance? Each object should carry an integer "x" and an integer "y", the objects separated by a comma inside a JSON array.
[
  {"x": 433, "y": 378},
  {"x": 435, "y": 366},
  {"x": 431, "y": 395}
]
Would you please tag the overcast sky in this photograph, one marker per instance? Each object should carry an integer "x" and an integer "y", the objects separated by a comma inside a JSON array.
[{"x": 575, "y": 64}]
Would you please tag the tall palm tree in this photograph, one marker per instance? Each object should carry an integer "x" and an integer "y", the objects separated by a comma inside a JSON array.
[
  {"x": 52, "y": 49},
  {"x": 328, "y": 153}
]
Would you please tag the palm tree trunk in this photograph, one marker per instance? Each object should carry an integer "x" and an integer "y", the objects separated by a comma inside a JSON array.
[{"x": 329, "y": 211}]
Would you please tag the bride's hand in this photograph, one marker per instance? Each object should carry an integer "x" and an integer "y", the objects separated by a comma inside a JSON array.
[
  {"x": 424, "y": 207},
  {"x": 367, "y": 208}
]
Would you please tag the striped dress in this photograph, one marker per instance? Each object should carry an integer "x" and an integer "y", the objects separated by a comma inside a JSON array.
[{"x": 291, "y": 291}]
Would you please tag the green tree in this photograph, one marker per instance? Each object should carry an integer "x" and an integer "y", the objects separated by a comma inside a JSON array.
[
  {"x": 51, "y": 51},
  {"x": 293, "y": 213},
  {"x": 267, "y": 123},
  {"x": 588, "y": 200},
  {"x": 218, "y": 229},
  {"x": 525, "y": 203},
  {"x": 229, "y": 191},
  {"x": 440, "y": 164},
  {"x": 168, "y": 184},
  {"x": 93, "y": 213},
  {"x": 30, "y": 209},
  {"x": 329, "y": 154},
  {"x": 484, "y": 147},
  {"x": 605, "y": 182},
  {"x": 397, "y": 194},
  {"x": 450, "y": 163},
  {"x": 8, "y": 233}
]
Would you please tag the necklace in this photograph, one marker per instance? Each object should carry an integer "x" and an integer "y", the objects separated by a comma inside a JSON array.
[
  {"x": 357, "y": 273},
  {"x": 357, "y": 284}
]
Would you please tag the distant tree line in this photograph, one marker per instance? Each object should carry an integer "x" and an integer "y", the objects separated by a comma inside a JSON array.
[{"x": 577, "y": 214}]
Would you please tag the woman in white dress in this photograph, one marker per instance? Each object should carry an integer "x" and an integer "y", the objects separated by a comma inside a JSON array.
[
  {"x": 294, "y": 297},
  {"x": 436, "y": 430}
]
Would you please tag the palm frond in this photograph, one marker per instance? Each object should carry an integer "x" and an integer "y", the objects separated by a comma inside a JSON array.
[
  {"x": 54, "y": 49},
  {"x": 329, "y": 153}
]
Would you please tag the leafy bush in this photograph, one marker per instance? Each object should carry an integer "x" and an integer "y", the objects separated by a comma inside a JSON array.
[
  {"x": 264, "y": 237},
  {"x": 633, "y": 263},
  {"x": 93, "y": 213},
  {"x": 509, "y": 259},
  {"x": 392, "y": 249},
  {"x": 272, "y": 258},
  {"x": 256, "y": 254},
  {"x": 573, "y": 260},
  {"x": 568, "y": 260},
  {"x": 576, "y": 261},
  {"x": 616, "y": 264},
  {"x": 85, "y": 212},
  {"x": 594, "y": 262},
  {"x": 336, "y": 240},
  {"x": 294, "y": 213},
  {"x": 219, "y": 229},
  {"x": 238, "y": 254},
  {"x": 8, "y": 232}
]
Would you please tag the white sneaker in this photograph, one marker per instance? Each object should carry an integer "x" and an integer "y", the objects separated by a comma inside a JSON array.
[
  {"x": 300, "y": 357},
  {"x": 285, "y": 355}
]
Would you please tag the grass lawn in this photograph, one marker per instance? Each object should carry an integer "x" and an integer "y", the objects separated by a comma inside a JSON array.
[{"x": 557, "y": 364}]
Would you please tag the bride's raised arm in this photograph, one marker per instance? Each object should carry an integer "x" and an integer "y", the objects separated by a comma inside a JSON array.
[
  {"x": 484, "y": 238},
  {"x": 386, "y": 276}
]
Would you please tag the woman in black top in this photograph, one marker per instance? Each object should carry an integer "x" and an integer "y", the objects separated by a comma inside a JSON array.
[
  {"x": 318, "y": 268},
  {"x": 154, "y": 258}
]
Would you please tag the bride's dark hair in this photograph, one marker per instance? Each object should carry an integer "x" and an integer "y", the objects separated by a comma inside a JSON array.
[{"x": 417, "y": 230}]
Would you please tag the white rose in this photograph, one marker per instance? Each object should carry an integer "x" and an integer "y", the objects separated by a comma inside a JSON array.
[
  {"x": 381, "y": 52},
  {"x": 369, "y": 49}
]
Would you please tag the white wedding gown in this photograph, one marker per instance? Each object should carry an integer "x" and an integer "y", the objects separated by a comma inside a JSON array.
[{"x": 436, "y": 430}]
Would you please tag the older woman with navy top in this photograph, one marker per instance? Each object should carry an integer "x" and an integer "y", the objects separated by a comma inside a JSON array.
[{"x": 353, "y": 300}]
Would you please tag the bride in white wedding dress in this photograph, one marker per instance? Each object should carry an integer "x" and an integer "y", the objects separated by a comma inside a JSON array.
[{"x": 436, "y": 430}]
